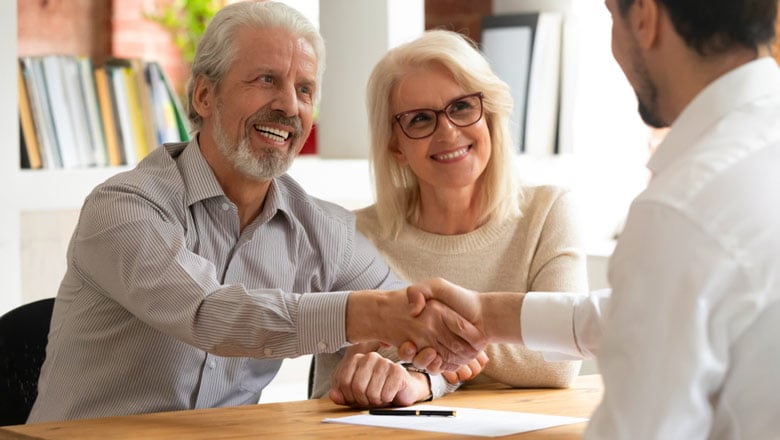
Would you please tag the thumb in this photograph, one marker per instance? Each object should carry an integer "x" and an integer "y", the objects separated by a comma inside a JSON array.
[
  {"x": 336, "y": 396},
  {"x": 416, "y": 301}
]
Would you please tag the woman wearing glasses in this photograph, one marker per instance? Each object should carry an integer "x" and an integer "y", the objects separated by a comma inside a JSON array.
[{"x": 448, "y": 205}]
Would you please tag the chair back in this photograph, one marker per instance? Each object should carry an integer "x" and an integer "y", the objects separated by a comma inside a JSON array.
[{"x": 23, "y": 335}]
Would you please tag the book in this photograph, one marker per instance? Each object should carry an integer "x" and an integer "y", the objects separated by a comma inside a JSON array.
[
  {"x": 137, "y": 128},
  {"x": 27, "y": 125},
  {"x": 76, "y": 106},
  {"x": 39, "y": 104},
  {"x": 182, "y": 121},
  {"x": 146, "y": 105},
  {"x": 73, "y": 114},
  {"x": 120, "y": 104},
  {"x": 103, "y": 91},
  {"x": 92, "y": 109},
  {"x": 60, "y": 114},
  {"x": 167, "y": 127}
]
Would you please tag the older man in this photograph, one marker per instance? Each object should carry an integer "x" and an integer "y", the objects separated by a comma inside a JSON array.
[{"x": 188, "y": 276}]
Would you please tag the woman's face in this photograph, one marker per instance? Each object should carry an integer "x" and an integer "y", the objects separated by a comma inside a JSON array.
[{"x": 452, "y": 157}]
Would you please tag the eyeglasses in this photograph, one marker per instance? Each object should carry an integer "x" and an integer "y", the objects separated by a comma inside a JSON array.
[{"x": 422, "y": 122}]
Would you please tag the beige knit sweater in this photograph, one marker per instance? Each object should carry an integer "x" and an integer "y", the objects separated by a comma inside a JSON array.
[{"x": 540, "y": 250}]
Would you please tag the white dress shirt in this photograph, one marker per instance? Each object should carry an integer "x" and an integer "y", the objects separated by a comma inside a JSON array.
[{"x": 690, "y": 347}]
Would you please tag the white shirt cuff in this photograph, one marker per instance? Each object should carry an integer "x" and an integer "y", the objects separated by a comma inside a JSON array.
[{"x": 547, "y": 324}]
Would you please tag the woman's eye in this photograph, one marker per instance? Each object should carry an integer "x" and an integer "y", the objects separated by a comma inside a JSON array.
[{"x": 420, "y": 118}]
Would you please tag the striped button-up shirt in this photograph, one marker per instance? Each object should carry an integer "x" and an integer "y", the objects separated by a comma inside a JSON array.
[{"x": 167, "y": 304}]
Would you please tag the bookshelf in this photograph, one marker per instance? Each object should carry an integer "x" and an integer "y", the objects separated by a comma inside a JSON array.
[{"x": 27, "y": 190}]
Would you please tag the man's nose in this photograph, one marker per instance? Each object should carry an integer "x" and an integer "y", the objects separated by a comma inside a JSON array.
[{"x": 286, "y": 101}]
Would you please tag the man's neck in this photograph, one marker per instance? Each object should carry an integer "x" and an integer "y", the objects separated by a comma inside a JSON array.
[
  {"x": 685, "y": 84},
  {"x": 247, "y": 193}
]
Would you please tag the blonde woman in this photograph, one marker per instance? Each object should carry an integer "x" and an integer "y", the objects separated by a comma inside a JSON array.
[{"x": 448, "y": 204}]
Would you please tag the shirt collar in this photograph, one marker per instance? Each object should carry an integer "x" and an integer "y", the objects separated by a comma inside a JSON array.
[
  {"x": 202, "y": 184},
  {"x": 740, "y": 86},
  {"x": 199, "y": 179}
]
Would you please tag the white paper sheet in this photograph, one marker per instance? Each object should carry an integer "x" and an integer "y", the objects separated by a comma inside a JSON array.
[{"x": 468, "y": 421}]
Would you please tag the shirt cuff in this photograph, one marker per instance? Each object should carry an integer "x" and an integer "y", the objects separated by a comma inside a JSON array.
[
  {"x": 547, "y": 325},
  {"x": 322, "y": 322}
]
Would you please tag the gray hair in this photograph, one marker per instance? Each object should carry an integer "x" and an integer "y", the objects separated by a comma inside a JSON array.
[
  {"x": 216, "y": 52},
  {"x": 396, "y": 186}
]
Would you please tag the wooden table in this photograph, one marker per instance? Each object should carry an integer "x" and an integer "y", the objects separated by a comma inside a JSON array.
[{"x": 303, "y": 419}]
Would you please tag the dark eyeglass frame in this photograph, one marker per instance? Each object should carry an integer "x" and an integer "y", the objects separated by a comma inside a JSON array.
[{"x": 398, "y": 116}]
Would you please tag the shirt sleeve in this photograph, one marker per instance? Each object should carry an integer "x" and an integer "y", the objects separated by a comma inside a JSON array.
[{"x": 134, "y": 249}]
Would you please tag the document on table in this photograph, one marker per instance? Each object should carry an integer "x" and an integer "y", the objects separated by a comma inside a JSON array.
[{"x": 467, "y": 421}]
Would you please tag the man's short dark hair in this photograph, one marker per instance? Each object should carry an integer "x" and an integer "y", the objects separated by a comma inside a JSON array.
[{"x": 714, "y": 26}]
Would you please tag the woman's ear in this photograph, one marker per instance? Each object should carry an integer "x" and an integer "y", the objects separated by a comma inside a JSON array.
[
  {"x": 203, "y": 97},
  {"x": 399, "y": 155}
]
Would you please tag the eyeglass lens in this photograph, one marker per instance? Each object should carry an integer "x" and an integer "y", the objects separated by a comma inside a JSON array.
[{"x": 421, "y": 123}]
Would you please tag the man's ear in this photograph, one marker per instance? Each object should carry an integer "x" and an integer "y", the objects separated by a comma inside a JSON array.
[
  {"x": 203, "y": 97},
  {"x": 644, "y": 16}
]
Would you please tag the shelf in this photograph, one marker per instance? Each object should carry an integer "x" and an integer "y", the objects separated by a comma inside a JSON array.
[{"x": 59, "y": 189}]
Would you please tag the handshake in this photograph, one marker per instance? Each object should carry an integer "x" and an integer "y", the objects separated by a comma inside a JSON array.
[{"x": 435, "y": 324}]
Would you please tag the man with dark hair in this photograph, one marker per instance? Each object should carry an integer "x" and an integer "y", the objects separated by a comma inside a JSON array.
[{"x": 687, "y": 338}]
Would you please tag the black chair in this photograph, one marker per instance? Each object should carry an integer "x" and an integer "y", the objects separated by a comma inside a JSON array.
[{"x": 23, "y": 335}]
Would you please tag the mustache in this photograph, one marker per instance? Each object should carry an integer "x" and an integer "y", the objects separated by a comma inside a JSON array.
[{"x": 277, "y": 117}]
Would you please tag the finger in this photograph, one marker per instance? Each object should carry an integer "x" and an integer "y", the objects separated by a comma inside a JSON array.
[
  {"x": 450, "y": 377},
  {"x": 464, "y": 341},
  {"x": 395, "y": 382},
  {"x": 407, "y": 351},
  {"x": 483, "y": 359},
  {"x": 435, "y": 367},
  {"x": 463, "y": 373},
  {"x": 425, "y": 357},
  {"x": 362, "y": 380},
  {"x": 341, "y": 379}
]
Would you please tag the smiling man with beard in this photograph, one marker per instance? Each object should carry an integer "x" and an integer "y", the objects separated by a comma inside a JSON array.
[{"x": 191, "y": 277}]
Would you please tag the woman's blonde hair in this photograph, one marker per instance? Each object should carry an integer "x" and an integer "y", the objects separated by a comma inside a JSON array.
[{"x": 396, "y": 186}]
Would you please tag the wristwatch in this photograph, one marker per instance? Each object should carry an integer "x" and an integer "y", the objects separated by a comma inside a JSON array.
[{"x": 410, "y": 367}]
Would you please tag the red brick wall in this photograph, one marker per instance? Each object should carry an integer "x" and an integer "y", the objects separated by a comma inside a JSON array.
[
  {"x": 137, "y": 37},
  {"x": 117, "y": 28},
  {"x": 98, "y": 28},
  {"x": 78, "y": 27},
  {"x": 464, "y": 16}
]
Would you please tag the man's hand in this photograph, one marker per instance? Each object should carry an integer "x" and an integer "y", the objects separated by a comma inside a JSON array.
[
  {"x": 468, "y": 371},
  {"x": 495, "y": 314},
  {"x": 390, "y": 318},
  {"x": 369, "y": 380}
]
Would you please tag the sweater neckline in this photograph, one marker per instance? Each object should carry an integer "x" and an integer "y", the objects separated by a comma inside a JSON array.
[{"x": 479, "y": 238}]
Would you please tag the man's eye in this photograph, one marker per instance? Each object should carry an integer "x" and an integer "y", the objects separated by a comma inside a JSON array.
[
  {"x": 306, "y": 90},
  {"x": 266, "y": 79}
]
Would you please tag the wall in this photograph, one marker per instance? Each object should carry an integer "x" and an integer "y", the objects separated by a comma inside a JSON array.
[{"x": 464, "y": 16}]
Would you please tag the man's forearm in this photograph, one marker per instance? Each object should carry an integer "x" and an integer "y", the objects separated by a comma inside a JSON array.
[{"x": 501, "y": 316}]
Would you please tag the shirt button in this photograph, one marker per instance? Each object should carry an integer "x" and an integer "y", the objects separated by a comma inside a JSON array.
[
  {"x": 322, "y": 346},
  {"x": 268, "y": 352},
  {"x": 212, "y": 364},
  {"x": 225, "y": 206}
]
